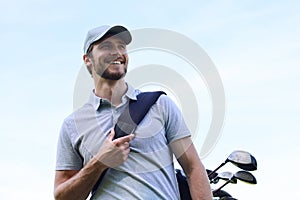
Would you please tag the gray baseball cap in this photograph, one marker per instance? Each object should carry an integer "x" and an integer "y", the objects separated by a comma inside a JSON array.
[{"x": 100, "y": 32}]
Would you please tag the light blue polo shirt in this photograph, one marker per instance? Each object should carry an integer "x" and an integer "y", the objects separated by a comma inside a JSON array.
[{"x": 148, "y": 173}]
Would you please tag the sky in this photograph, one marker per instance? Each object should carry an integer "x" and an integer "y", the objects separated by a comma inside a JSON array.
[{"x": 254, "y": 46}]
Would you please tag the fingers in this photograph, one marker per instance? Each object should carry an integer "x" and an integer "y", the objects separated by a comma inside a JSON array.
[
  {"x": 115, "y": 152},
  {"x": 111, "y": 135},
  {"x": 125, "y": 146},
  {"x": 124, "y": 139}
]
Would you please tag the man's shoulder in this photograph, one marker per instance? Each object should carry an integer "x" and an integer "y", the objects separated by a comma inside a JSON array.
[
  {"x": 164, "y": 99},
  {"x": 83, "y": 110},
  {"x": 75, "y": 122}
]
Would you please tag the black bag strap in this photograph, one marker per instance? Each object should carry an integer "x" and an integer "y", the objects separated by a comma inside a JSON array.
[
  {"x": 131, "y": 117},
  {"x": 135, "y": 112}
]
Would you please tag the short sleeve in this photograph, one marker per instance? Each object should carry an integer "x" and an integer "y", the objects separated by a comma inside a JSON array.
[
  {"x": 175, "y": 125},
  {"x": 67, "y": 157}
]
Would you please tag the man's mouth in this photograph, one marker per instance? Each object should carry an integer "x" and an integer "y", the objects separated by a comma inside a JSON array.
[{"x": 117, "y": 62}]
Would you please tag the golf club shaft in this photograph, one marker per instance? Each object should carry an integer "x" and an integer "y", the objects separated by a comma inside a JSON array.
[
  {"x": 215, "y": 170},
  {"x": 221, "y": 186}
]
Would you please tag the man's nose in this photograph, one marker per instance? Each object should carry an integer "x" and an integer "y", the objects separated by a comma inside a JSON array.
[{"x": 116, "y": 51}]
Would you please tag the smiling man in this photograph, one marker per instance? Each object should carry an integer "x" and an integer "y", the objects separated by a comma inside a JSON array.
[{"x": 135, "y": 166}]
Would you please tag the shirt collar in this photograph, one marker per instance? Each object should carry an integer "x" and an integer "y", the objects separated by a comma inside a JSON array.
[{"x": 96, "y": 101}]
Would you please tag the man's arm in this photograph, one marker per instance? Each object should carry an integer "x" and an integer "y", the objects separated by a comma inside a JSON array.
[
  {"x": 188, "y": 158},
  {"x": 77, "y": 184},
  {"x": 74, "y": 184}
]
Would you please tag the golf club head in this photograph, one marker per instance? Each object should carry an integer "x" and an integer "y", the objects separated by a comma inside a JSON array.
[
  {"x": 245, "y": 176},
  {"x": 224, "y": 176},
  {"x": 243, "y": 160},
  {"x": 227, "y": 176},
  {"x": 221, "y": 193}
]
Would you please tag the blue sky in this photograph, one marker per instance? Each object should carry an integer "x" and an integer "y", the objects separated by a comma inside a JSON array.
[{"x": 254, "y": 45}]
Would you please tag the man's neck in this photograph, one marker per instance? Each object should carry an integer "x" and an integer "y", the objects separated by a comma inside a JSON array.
[{"x": 111, "y": 90}]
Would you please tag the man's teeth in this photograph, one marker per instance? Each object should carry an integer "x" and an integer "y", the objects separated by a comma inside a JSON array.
[{"x": 116, "y": 62}]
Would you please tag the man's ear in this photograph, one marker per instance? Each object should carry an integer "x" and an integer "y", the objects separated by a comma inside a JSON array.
[
  {"x": 88, "y": 62},
  {"x": 86, "y": 59}
]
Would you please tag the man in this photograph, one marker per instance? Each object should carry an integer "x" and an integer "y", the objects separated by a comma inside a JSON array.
[{"x": 136, "y": 166}]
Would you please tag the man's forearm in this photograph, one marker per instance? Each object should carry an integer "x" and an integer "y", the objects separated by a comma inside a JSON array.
[
  {"x": 188, "y": 158},
  {"x": 199, "y": 185},
  {"x": 80, "y": 185}
]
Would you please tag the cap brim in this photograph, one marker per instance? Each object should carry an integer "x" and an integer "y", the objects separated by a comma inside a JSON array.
[{"x": 118, "y": 31}]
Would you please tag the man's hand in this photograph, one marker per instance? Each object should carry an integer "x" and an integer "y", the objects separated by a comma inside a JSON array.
[
  {"x": 114, "y": 152},
  {"x": 77, "y": 184}
]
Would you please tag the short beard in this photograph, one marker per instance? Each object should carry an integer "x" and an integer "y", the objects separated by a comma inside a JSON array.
[
  {"x": 112, "y": 76},
  {"x": 106, "y": 74}
]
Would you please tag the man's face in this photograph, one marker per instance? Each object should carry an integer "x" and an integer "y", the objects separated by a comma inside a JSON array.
[{"x": 109, "y": 58}]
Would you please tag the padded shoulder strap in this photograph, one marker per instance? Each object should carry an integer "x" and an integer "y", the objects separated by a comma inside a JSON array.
[
  {"x": 139, "y": 108},
  {"x": 135, "y": 112}
]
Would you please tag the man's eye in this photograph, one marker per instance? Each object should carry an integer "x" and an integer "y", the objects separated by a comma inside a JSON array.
[
  {"x": 106, "y": 46},
  {"x": 122, "y": 47}
]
